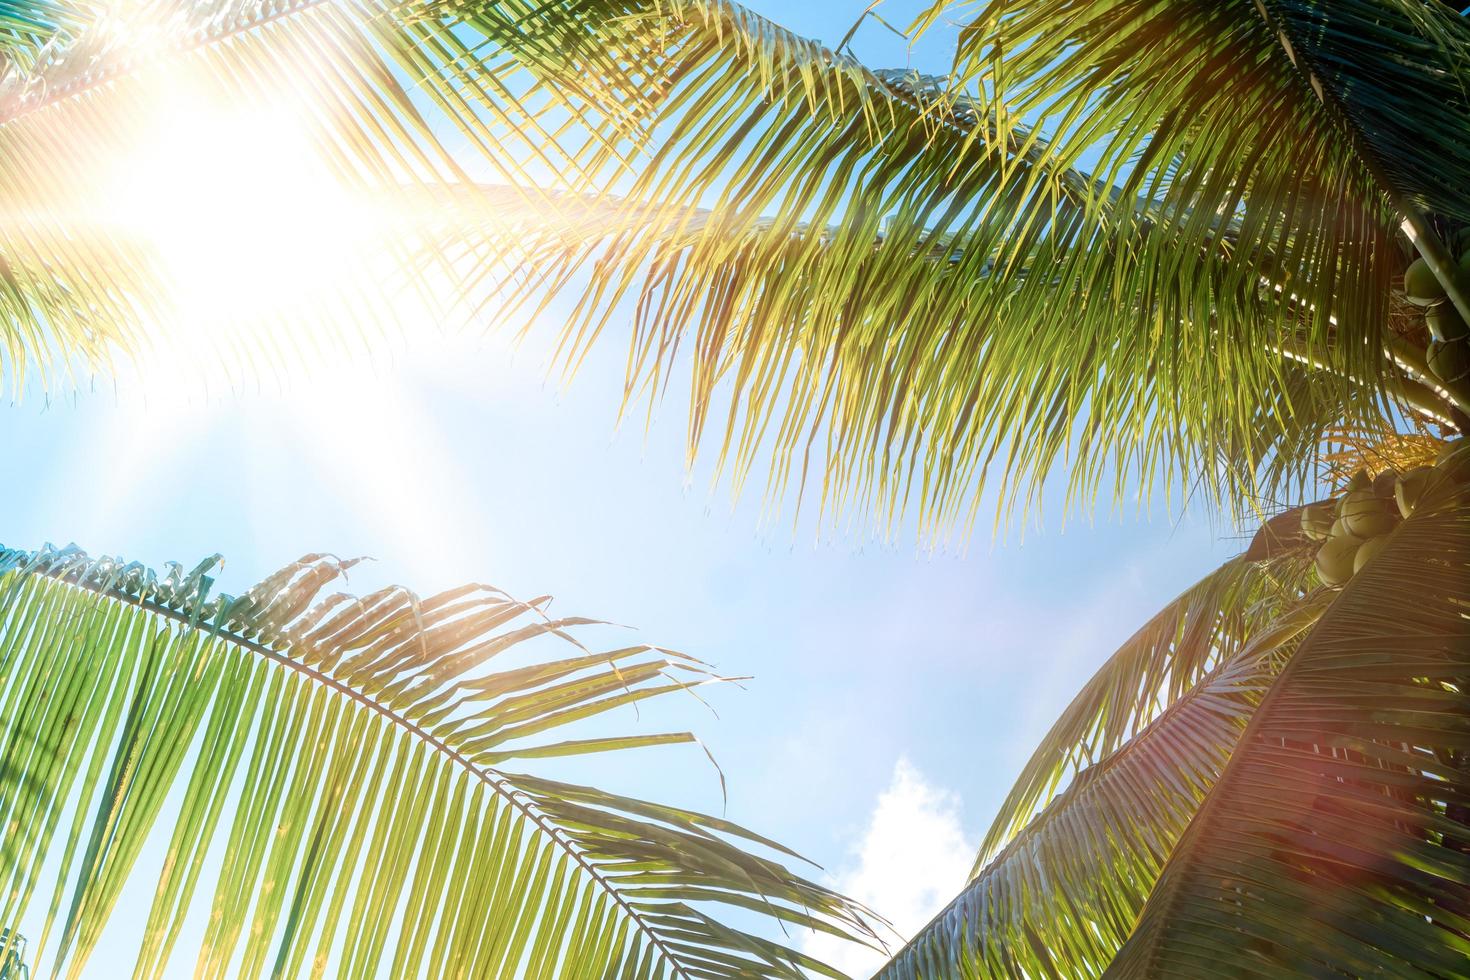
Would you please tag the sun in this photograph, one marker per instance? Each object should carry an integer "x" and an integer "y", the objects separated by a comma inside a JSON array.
[
  {"x": 236, "y": 200},
  {"x": 258, "y": 244},
  {"x": 269, "y": 255}
]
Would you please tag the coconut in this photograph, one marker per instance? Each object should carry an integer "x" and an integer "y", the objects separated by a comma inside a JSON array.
[
  {"x": 1454, "y": 461},
  {"x": 1340, "y": 529},
  {"x": 1335, "y": 560},
  {"x": 1445, "y": 322},
  {"x": 1364, "y": 515},
  {"x": 1366, "y": 551},
  {"x": 1421, "y": 286},
  {"x": 1317, "y": 520},
  {"x": 1410, "y": 487},
  {"x": 1360, "y": 481},
  {"x": 1358, "y": 501},
  {"x": 1383, "y": 484},
  {"x": 1449, "y": 360}
]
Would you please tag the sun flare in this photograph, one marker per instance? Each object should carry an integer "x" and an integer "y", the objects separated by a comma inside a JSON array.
[
  {"x": 237, "y": 204},
  {"x": 246, "y": 223}
]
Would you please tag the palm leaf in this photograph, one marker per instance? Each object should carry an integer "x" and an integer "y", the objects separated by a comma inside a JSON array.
[
  {"x": 891, "y": 289},
  {"x": 1398, "y": 72},
  {"x": 328, "y": 774},
  {"x": 1061, "y": 897},
  {"x": 1317, "y": 126},
  {"x": 28, "y": 28},
  {"x": 882, "y": 303},
  {"x": 1335, "y": 839}
]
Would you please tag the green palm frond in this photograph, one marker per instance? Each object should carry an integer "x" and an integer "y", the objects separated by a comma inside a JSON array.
[
  {"x": 1207, "y": 626},
  {"x": 1060, "y": 899},
  {"x": 1398, "y": 71},
  {"x": 1300, "y": 810},
  {"x": 329, "y": 775},
  {"x": 1147, "y": 85},
  {"x": 1318, "y": 127},
  {"x": 1335, "y": 840}
]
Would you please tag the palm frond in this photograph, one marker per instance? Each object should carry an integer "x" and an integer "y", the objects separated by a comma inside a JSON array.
[
  {"x": 29, "y": 28},
  {"x": 1335, "y": 839},
  {"x": 328, "y": 774},
  {"x": 1398, "y": 71},
  {"x": 929, "y": 297},
  {"x": 888, "y": 288},
  {"x": 1207, "y": 626},
  {"x": 1317, "y": 127},
  {"x": 1200, "y": 107},
  {"x": 1062, "y": 896}
]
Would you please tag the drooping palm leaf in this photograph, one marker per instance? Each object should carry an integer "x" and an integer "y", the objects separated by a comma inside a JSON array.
[
  {"x": 1060, "y": 899},
  {"x": 1335, "y": 839},
  {"x": 1398, "y": 71},
  {"x": 331, "y": 770},
  {"x": 893, "y": 291},
  {"x": 870, "y": 298}
]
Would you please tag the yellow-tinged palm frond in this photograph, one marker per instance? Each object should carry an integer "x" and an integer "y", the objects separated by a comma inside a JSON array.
[
  {"x": 887, "y": 287},
  {"x": 1335, "y": 839},
  {"x": 329, "y": 774},
  {"x": 1060, "y": 899},
  {"x": 1201, "y": 101},
  {"x": 904, "y": 296}
]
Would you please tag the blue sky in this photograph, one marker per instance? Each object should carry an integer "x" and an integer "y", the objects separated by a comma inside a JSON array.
[{"x": 897, "y": 688}]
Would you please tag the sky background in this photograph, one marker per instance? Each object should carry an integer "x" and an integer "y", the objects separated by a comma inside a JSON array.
[{"x": 897, "y": 688}]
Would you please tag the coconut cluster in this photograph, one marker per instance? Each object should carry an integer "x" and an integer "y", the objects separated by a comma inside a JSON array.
[
  {"x": 1354, "y": 527},
  {"x": 1448, "y": 355}
]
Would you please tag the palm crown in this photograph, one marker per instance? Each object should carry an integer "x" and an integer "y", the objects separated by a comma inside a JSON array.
[{"x": 1152, "y": 242}]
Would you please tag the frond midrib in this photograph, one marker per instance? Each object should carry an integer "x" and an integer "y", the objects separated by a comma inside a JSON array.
[
  {"x": 1169, "y": 888},
  {"x": 995, "y": 842},
  {"x": 1315, "y": 91}
]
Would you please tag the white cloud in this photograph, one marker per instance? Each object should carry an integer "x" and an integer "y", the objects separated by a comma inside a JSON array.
[{"x": 912, "y": 859}]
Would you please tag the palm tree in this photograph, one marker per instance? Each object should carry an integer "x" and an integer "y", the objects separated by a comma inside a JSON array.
[
  {"x": 1269, "y": 778},
  {"x": 1156, "y": 243},
  {"x": 1249, "y": 791}
]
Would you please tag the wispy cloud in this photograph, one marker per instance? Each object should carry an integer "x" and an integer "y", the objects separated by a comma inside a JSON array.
[{"x": 912, "y": 858}]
